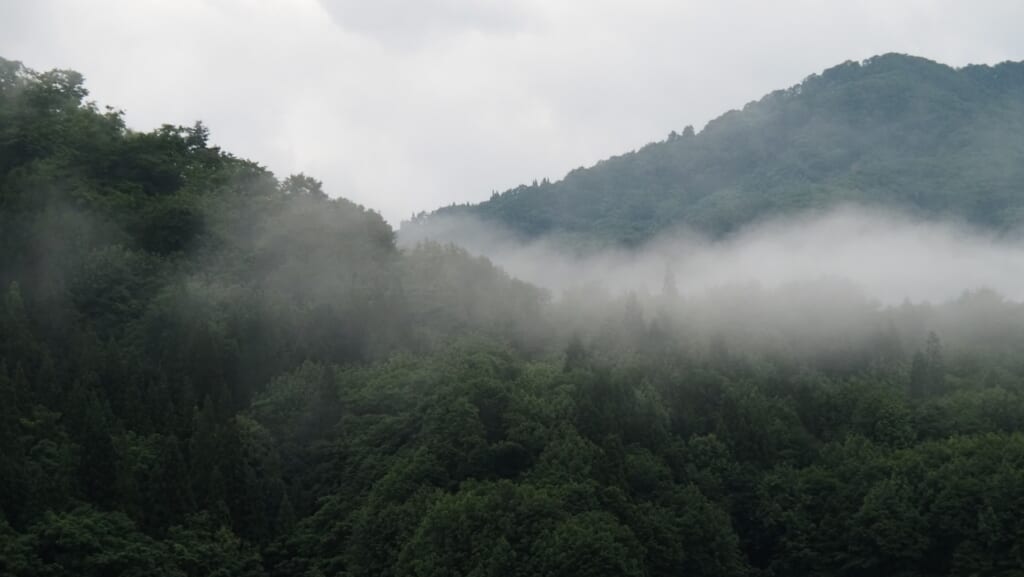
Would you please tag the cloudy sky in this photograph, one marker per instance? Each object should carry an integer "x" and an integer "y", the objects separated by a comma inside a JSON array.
[{"x": 404, "y": 106}]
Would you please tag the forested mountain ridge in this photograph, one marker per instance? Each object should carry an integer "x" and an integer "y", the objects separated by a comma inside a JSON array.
[
  {"x": 152, "y": 285},
  {"x": 205, "y": 370},
  {"x": 893, "y": 131}
]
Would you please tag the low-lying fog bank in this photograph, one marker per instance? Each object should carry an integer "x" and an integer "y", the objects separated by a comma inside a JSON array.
[{"x": 891, "y": 258}]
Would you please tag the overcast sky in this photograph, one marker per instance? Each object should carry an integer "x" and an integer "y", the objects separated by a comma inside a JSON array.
[{"x": 405, "y": 106}]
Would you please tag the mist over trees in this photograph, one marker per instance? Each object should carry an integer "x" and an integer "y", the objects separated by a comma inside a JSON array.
[
  {"x": 205, "y": 370},
  {"x": 888, "y": 255}
]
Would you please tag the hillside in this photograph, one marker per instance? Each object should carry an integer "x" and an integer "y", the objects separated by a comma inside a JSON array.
[
  {"x": 208, "y": 370},
  {"x": 893, "y": 131}
]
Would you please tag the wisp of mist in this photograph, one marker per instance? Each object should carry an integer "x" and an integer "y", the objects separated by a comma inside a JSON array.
[{"x": 889, "y": 257}]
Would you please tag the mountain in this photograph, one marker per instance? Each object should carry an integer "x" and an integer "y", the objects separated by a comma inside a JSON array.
[
  {"x": 207, "y": 370},
  {"x": 896, "y": 131}
]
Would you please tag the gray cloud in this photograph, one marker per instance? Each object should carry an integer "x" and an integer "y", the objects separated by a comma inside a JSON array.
[
  {"x": 410, "y": 24},
  {"x": 407, "y": 106}
]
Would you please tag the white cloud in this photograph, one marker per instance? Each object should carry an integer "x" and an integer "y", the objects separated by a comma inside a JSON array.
[
  {"x": 405, "y": 106},
  {"x": 887, "y": 256}
]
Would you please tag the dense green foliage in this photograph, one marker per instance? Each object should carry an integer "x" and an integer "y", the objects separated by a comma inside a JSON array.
[
  {"x": 893, "y": 131},
  {"x": 206, "y": 371}
]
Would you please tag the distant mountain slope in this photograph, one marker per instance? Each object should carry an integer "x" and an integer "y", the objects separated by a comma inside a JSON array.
[{"x": 894, "y": 130}]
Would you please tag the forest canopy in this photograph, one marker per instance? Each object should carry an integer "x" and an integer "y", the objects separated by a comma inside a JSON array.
[{"x": 205, "y": 370}]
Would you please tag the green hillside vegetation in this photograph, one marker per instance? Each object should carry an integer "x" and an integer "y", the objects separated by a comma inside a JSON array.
[
  {"x": 894, "y": 131},
  {"x": 205, "y": 370}
]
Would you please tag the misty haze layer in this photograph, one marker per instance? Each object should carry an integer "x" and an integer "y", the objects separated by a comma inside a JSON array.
[
  {"x": 205, "y": 369},
  {"x": 890, "y": 257}
]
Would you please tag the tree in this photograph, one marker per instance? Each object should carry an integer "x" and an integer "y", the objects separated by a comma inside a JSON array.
[
  {"x": 669, "y": 287},
  {"x": 93, "y": 543},
  {"x": 92, "y": 426},
  {"x": 592, "y": 544},
  {"x": 920, "y": 376},
  {"x": 575, "y": 353},
  {"x": 197, "y": 136},
  {"x": 891, "y": 531},
  {"x": 300, "y": 184},
  {"x": 927, "y": 369},
  {"x": 934, "y": 358}
]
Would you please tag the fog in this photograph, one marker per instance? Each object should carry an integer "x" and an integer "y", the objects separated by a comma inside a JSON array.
[{"x": 887, "y": 256}]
